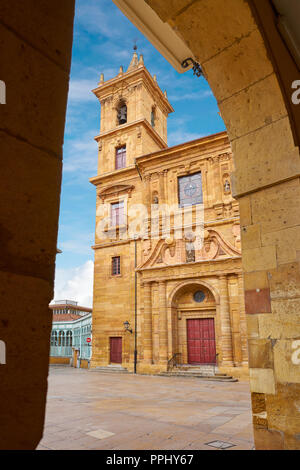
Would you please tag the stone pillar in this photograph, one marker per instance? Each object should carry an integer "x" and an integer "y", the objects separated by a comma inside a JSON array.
[
  {"x": 35, "y": 50},
  {"x": 163, "y": 323},
  {"x": 147, "y": 323},
  {"x": 147, "y": 195},
  {"x": 162, "y": 186},
  {"x": 243, "y": 322},
  {"x": 227, "y": 353}
]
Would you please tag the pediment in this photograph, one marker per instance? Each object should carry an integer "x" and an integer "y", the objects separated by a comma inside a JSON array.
[{"x": 115, "y": 190}]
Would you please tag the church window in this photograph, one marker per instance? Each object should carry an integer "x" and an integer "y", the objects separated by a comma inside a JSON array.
[
  {"x": 122, "y": 113},
  {"x": 120, "y": 157},
  {"x": 153, "y": 117},
  {"x": 117, "y": 214},
  {"x": 115, "y": 266},
  {"x": 199, "y": 296},
  {"x": 190, "y": 190},
  {"x": 190, "y": 252}
]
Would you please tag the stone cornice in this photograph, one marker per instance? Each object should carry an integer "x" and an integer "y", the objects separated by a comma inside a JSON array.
[
  {"x": 208, "y": 143},
  {"x": 111, "y": 176},
  {"x": 140, "y": 74},
  {"x": 127, "y": 126},
  {"x": 215, "y": 267}
]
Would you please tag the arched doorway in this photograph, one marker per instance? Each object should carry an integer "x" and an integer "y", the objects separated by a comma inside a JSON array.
[{"x": 196, "y": 329}]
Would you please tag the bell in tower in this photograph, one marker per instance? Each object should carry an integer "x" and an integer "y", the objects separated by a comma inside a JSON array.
[{"x": 122, "y": 113}]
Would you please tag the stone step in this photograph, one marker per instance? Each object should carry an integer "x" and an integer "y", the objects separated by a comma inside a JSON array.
[
  {"x": 217, "y": 378},
  {"x": 111, "y": 369}
]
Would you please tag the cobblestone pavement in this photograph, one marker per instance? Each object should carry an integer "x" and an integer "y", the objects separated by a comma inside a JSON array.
[{"x": 94, "y": 410}]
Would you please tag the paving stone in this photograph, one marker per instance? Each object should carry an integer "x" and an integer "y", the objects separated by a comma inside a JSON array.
[{"x": 125, "y": 412}]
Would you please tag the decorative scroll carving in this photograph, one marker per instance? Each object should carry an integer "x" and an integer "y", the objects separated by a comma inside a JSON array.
[{"x": 171, "y": 252}]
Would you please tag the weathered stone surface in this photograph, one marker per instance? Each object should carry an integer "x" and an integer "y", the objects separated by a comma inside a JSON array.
[
  {"x": 233, "y": 63},
  {"x": 264, "y": 94},
  {"x": 284, "y": 321},
  {"x": 29, "y": 210},
  {"x": 259, "y": 259},
  {"x": 266, "y": 439},
  {"x": 55, "y": 26},
  {"x": 287, "y": 361},
  {"x": 276, "y": 208},
  {"x": 35, "y": 45},
  {"x": 285, "y": 282},
  {"x": 36, "y": 95},
  {"x": 251, "y": 237},
  {"x": 256, "y": 280},
  {"x": 262, "y": 381},
  {"x": 260, "y": 354},
  {"x": 252, "y": 326},
  {"x": 261, "y": 159},
  {"x": 194, "y": 25}
]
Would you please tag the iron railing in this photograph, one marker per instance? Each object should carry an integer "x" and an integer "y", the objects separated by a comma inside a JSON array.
[{"x": 173, "y": 361}]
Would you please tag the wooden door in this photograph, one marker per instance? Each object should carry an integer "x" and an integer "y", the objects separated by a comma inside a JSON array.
[
  {"x": 116, "y": 350},
  {"x": 201, "y": 341}
]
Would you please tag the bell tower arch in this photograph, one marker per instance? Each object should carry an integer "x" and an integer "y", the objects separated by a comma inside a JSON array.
[{"x": 134, "y": 113}]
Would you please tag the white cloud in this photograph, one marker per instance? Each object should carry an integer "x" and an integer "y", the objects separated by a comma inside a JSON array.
[
  {"x": 80, "y": 243},
  {"x": 180, "y": 136},
  {"x": 81, "y": 156},
  {"x": 75, "y": 284},
  {"x": 80, "y": 90},
  {"x": 196, "y": 95},
  {"x": 96, "y": 18}
]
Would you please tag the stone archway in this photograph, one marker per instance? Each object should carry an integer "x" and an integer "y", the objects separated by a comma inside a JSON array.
[
  {"x": 227, "y": 40},
  {"x": 190, "y": 303}
]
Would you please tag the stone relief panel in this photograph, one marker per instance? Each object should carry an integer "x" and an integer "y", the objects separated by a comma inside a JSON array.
[{"x": 171, "y": 251}]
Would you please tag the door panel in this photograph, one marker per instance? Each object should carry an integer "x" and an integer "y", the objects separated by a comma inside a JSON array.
[
  {"x": 116, "y": 350},
  {"x": 201, "y": 341}
]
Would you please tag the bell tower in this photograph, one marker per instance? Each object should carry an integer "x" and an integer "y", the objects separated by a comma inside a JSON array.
[{"x": 134, "y": 113}]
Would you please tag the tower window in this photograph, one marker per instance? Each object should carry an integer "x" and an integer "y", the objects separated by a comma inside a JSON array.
[
  {"x": 117, "y": 214},
  {"x": 153, "y": 117},
  {"x": 190, "y": 190},
  {"x": 115, "y": 266},
  {"x": 122, "y": 113},
  {"x": 120, "y": 157}
]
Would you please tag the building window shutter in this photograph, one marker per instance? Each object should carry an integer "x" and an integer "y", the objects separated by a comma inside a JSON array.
[
  {"x": 116, "y": 266},
  {"x": 117, "y": 214},
  {"x": 121, "y": 157}
]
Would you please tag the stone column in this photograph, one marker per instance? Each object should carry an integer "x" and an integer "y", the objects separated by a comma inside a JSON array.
[
  {"x": 243, "y": 324},
  {"x": 227, "y": 353},
  {"x": 163, "y": 323},
  {"x": 147, "y": 323}
]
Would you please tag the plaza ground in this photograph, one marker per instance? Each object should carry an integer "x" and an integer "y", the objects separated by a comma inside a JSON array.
[{"x": 93, "y": 410}]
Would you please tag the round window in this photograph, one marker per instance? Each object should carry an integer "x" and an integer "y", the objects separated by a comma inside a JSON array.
[{"x": 199, "y": 296}]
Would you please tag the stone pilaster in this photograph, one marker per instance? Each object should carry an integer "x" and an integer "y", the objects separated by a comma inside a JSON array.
[
  {"x": 227, "y": 353},
  {"x": 163, "y": 323},
  {"x": 147, "y": 323},
  {"x": 243, "y": 322},
  {"x": 162, "y": 186}
]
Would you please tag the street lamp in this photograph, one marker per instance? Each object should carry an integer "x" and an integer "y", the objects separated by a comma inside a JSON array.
[{"x": 126, "y": 326}]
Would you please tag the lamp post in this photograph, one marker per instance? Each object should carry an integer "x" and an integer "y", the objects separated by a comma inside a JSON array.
[
  {"x": 135, "y": 304},
  {"x": 126, "y": 323}
]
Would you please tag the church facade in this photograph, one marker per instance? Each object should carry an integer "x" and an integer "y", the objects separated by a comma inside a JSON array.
[{"x": 168, "y": 283}]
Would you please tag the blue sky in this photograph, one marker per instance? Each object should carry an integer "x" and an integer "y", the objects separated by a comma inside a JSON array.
[{"x": 103, "y": 40}]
